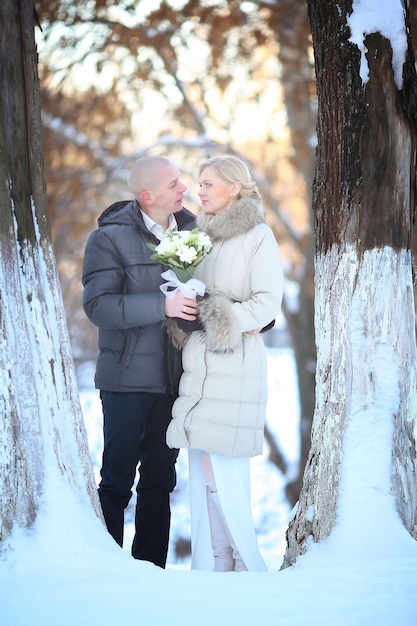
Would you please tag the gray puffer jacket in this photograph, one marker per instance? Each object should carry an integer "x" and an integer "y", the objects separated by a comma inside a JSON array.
[{"x": 122, "y": 297}]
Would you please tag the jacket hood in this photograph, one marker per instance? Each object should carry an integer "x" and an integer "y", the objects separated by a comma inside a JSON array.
[
  {"x": 244, "y": 215},
  {"x": 128, "y": 212},
  {"x": 123, "y": 212}
]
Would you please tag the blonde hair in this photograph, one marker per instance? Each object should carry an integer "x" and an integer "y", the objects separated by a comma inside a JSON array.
[{"x": 233, "y": 170}]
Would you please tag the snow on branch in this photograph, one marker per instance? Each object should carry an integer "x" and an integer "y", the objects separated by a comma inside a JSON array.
[{"x": 386, "y": 17}]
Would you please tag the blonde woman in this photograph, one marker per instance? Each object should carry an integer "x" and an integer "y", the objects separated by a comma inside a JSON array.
[{"x": 220, "y": 412}]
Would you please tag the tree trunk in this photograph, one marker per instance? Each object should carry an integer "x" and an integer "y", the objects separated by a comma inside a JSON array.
[
  {"x": 363, "y": 202},
  {"x": 41, "y": 432}
]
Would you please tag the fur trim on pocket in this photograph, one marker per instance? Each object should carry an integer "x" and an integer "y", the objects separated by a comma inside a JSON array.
[{"x": 178, "y": 337}]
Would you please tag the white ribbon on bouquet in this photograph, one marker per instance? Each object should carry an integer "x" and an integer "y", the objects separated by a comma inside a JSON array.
[{"x": 190, "y": 289}]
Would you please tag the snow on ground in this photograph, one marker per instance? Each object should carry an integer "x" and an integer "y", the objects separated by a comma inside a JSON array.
[{"x": 68, "y": 571}]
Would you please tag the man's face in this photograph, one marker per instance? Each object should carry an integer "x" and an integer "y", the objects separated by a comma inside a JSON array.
[{"x": 168, "y": 191}]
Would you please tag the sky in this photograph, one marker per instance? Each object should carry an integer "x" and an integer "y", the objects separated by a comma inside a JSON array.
[{"x": 67, "y": 570}]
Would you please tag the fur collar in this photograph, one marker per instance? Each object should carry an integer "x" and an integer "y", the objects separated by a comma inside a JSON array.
[{"x": 244, "y": 215}]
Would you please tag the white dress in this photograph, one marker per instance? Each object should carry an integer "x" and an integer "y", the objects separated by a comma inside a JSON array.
[{"x": 232, "y": 477}]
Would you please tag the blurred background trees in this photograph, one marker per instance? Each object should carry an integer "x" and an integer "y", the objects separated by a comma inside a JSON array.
[{"x": 183, "y": 79}]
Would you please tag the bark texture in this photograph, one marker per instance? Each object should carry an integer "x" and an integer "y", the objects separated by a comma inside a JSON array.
[{"x": 41, "y": 430}]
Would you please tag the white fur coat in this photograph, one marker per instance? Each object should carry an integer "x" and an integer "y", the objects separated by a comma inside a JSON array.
[{"x": 223, "y": 390}]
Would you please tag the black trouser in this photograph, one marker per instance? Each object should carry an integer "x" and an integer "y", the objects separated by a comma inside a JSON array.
[{"x": 134, "y": 432}]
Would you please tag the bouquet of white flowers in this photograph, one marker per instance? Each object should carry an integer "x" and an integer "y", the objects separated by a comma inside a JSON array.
[{"x": 182, "y": 251}]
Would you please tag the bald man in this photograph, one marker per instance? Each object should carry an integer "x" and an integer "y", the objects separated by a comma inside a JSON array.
[{"x": 138, "y": 369}]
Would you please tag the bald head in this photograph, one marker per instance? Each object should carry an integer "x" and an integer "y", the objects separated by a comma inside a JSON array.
[
  {"x": 146, "y": 174},
  {"x": 155, "y": 184}
]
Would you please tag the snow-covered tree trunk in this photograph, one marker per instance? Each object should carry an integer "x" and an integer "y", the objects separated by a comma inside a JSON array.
[
  {"x": 364, "y": 196},
  {"x": 42, "y": 434}
]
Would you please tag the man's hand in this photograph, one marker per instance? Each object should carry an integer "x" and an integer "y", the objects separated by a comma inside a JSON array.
[{"x": 181, "y": 306}]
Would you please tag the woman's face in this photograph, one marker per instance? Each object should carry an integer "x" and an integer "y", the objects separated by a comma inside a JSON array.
[{"x": 216, "y": 193}]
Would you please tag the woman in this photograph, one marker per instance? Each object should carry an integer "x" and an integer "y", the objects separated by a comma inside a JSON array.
[{"x": 220, "y": 412}]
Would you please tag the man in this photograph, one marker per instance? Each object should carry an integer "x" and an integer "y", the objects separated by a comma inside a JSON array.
[{"x": 137, "y": 368}]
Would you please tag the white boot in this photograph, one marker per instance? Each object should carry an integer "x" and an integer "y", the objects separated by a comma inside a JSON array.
[
  {"x": 225, "y": 552},
  {"x": 239, "y": 564},
  {"x": 222, "y": 550}
]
